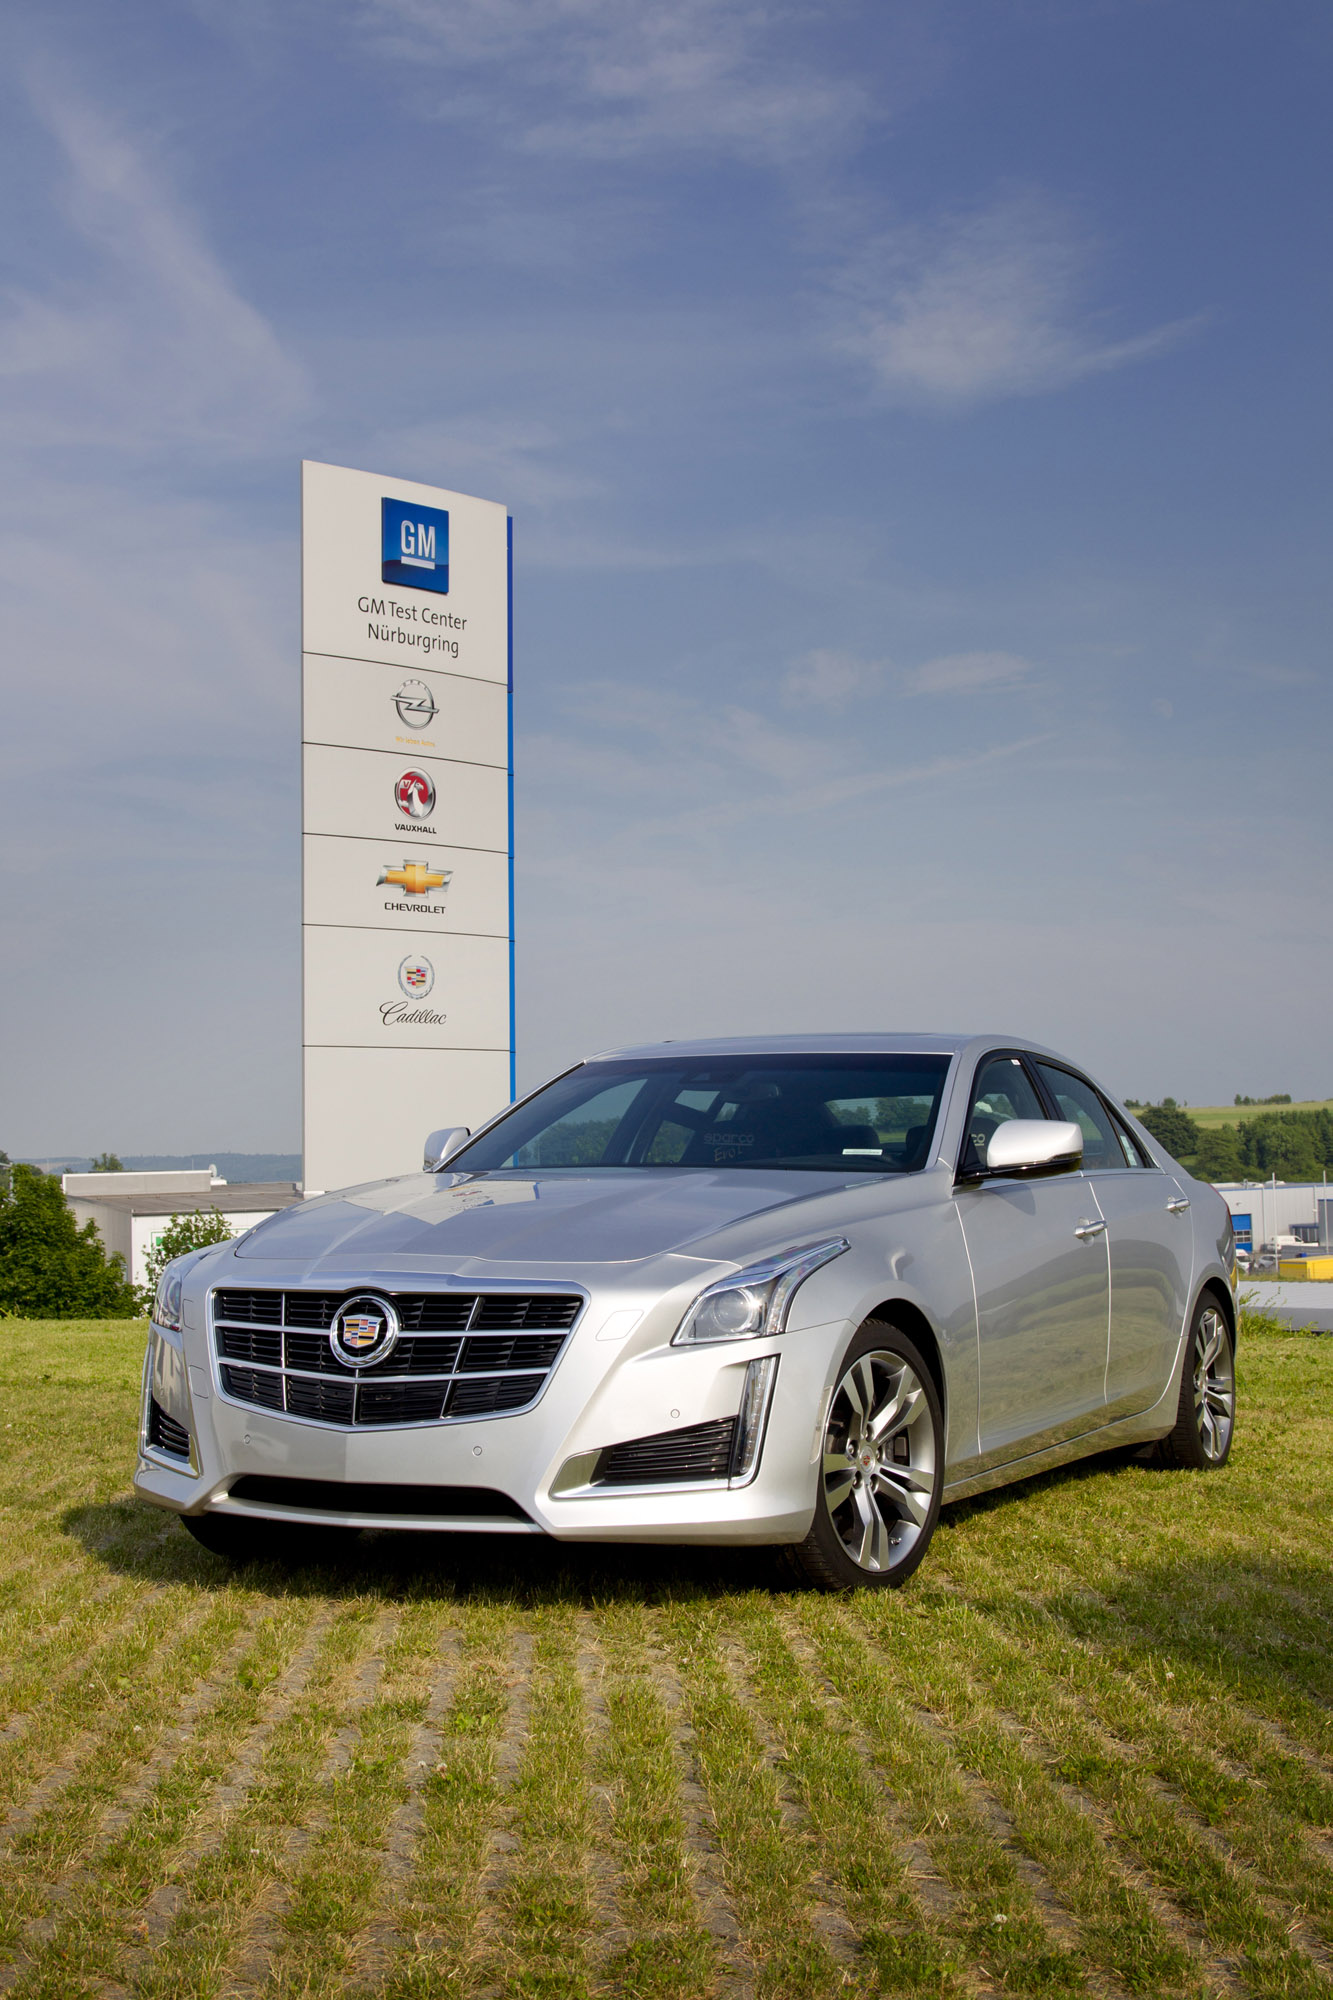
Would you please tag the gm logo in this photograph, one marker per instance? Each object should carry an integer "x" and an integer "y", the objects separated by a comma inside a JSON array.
[{"x": 415, "y": 545}]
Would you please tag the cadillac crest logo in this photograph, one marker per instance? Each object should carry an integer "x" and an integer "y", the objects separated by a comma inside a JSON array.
[
  {"x": 416, "y": 976},
  {"x": 364, "y": 1330}
]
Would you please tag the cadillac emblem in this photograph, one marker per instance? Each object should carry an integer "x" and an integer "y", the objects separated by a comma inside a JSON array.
[{"x": 364, "y": 1330}]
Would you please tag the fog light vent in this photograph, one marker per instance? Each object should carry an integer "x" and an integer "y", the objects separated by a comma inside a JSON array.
[
  {"x": 165, "y": 1434},
  {"x": 699, "y": 1451}
]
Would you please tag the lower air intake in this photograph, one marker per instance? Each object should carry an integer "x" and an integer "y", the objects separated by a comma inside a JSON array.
[
  {"x": 700, "y": 1451},
  {"x": 337, "y": 1496}
]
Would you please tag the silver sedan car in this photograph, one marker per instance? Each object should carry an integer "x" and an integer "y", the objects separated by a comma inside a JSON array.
[{"x": 788, "y": 1290}]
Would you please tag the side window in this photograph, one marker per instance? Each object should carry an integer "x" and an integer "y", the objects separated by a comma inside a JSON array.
[
  {"x": 1080, "y": 1104},
  {"x": 1003, "y": 1091},
  {"x": 1129, "y": 1145}
]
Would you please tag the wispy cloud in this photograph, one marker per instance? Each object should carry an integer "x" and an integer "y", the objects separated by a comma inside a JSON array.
[
  {"x": 969, "y": 673},
  {"x": 145, "y": 338},
  {"x": 606, "y": 78},
  {"x": 827, "y": 678},
  {"x": 985, "y": 305}
]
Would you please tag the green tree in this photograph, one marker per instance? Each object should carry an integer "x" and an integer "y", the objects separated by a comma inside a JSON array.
[
  {"x": 184, "y": 1232},
  {"x": 49, "y": 1267},
  {"x": 1294, "y": 1145},
  {"x": 1218, "y": 1157},
  {"x": 1171, "y": 1127},
  {"x": 106, "y": 1163}
]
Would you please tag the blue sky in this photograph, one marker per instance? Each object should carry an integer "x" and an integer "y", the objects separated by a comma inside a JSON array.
[{"x": 915, "y": 419}]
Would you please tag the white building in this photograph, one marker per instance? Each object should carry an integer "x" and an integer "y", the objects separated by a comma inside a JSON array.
[
  {"x": 1272, "y": 1212},
  {"x": 131, "y": 1211}
]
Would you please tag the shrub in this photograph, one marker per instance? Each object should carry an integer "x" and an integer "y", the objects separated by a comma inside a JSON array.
[
  {"x": 182, "y": 1233},
  {"x": 49, "y": 1267}
]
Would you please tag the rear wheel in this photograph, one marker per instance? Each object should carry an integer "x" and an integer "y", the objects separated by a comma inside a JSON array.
[
  {"x": 1206, "y": 1413},
  {"x": 881, "y": 1468}
]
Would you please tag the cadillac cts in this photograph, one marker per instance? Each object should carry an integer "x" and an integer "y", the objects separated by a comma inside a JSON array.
[{"x": 791, "y": 1290}]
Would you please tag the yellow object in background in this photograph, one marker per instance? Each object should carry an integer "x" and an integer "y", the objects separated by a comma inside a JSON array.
[{"x": 1305, "y": 1267}]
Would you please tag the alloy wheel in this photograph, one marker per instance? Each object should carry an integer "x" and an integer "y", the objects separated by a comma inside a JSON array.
[
  {"x": 879, "y": 1467},
  {"x": 1214, "y": 1384}
]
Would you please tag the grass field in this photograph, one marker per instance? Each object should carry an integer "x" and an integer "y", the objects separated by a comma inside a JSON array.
[
  {"x": 1088, "y": 1750},
  {"x": 1210, "y": 1116}
]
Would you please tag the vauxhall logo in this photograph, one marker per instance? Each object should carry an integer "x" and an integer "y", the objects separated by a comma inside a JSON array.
[{"x": 414, "y": 548}]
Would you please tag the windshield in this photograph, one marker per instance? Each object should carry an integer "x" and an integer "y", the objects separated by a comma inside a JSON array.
[{"x": 844, "y": 1114}]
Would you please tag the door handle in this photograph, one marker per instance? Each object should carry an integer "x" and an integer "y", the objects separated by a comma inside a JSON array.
[
  {"x": 1178, "y": 1206},
  {"x": 1087, "y": 1229}
]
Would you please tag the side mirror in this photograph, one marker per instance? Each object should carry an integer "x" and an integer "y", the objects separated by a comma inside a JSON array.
[
  {"x": 1033, "y": 1146},
  {"x": 442, "y": 1144}
]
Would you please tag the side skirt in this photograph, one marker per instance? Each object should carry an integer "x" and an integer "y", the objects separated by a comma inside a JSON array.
[{"x": 1145, "y": 1428}]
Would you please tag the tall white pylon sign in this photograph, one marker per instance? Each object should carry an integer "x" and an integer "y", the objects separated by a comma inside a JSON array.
[{"x": 407, "y": 819}]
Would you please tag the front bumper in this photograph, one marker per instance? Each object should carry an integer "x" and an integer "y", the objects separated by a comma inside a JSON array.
[{"x": 537, "y": 1460}]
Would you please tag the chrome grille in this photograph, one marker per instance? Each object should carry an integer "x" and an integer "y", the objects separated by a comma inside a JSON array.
[{"x": 460, "y": 1354}]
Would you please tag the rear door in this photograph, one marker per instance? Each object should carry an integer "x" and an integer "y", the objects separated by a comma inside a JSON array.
[
  {"x": 1150, "y": 1241},
  {"x": 1041, "y": 1275}
]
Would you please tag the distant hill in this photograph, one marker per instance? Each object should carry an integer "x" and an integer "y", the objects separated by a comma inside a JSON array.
[{"x": 230, "y": 1166}]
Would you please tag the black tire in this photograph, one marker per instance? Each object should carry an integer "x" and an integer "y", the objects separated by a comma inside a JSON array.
[
  {"x": 245, "y": 1541},
  {"x": 1206, "y": 1413},
  {"x": 878, "y": 1496}
]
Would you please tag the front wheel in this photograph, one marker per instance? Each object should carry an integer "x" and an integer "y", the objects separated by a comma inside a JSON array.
[
  {"x": 1206, "y": 1413},
  {"x": 881, "y": 1468}
]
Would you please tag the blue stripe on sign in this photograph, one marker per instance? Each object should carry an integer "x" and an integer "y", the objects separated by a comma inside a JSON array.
[{"x": 513, "y": 1048}]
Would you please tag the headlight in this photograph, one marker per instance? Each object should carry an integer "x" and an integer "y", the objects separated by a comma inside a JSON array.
[
  {"x": 754, "y": 1301},
  {"x": 167, "y": 1304}
]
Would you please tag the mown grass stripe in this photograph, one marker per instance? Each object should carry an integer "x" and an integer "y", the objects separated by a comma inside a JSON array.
[
  {"x": 256, "y": 1965},
  {"x": 541, "y": 1921},
  {"x": 38, "y": 1637},
  {"x": 857, "y": 1841},
  {"x": 133, "y": 1725},
  {"x": 1170, "y": 1847},
  {"x": 766, "y": 1868},
  {"x": 66, "y": 1730},
  {"x": 383, "y": 1936},
  {"x": 46, "y": 1674},
  {"x": 1266, "y": 1833},
  {"x": 226, "y": 1886},
  {"x": 1121, "y": 1935},
  {"x": 94, "y": 1924},
  {"x": 999, "y": 1916},
  {"x": 668, "y": 1953},
  {"x": 438, "y": 1955},
  {"x": 331, "y": 1895}
]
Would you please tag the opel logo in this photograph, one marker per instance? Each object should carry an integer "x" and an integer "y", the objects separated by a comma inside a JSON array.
[{"x": 364, "y": 1330}]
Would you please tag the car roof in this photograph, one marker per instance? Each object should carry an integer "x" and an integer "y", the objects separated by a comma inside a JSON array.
[{"x": 877, "y": 1042}]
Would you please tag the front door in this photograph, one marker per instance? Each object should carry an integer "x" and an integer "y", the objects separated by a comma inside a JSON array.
[
  {"x": 1150, "y": 1240},
  {"x": 1042, "y": 1280}
]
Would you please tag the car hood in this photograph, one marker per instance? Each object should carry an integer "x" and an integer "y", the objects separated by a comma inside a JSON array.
[{"x": 512, "y": 1218}]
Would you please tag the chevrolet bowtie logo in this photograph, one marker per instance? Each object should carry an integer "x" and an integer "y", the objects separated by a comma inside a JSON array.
[{"x": 416, "y": 878}]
